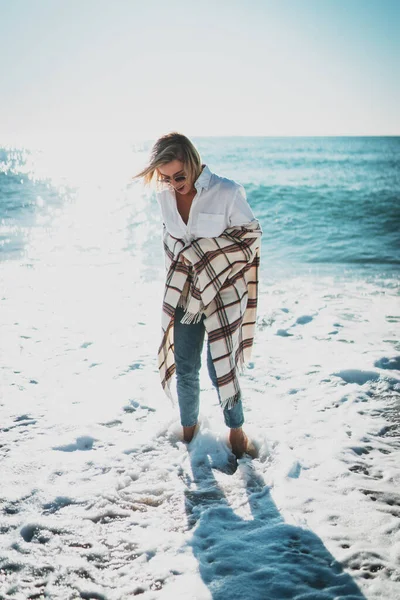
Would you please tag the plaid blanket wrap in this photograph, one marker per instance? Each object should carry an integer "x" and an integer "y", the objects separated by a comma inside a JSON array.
[{"x": 217, "y": 277}]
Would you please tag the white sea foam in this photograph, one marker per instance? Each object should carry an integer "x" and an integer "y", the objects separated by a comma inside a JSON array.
[{"x": 101, "y": 498}]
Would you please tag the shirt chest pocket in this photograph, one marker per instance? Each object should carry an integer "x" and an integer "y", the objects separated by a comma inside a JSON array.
[{"x": 210, "y": 225}]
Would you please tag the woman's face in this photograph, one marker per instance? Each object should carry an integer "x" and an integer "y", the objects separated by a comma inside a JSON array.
[{"x": 174, "y": 174}]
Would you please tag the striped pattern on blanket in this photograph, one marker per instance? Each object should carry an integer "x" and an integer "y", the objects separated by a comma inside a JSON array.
[{"x": 217, "y": 277}]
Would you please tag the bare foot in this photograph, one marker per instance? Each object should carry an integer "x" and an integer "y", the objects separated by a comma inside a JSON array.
[
  {"x": 238, "y": 440},
  {"x": 188, "y": 433},
  {"x": 240, "y": 444}
]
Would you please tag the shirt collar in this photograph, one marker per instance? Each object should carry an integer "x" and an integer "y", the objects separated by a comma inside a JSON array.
[{"x": 203, "y": 180}]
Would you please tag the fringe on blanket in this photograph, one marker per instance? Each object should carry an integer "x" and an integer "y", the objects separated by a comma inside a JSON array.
[
  {"x": 169, "y": 393},
  {"x": 191, "y": 317},
  {"x": 230, "y": 402}
]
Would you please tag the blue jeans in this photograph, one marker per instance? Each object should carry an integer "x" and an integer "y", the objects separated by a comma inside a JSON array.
[{"x": 188, "y": 345}]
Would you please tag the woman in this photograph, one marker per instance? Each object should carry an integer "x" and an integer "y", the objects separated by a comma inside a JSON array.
[{"x": 202, "y": 212}]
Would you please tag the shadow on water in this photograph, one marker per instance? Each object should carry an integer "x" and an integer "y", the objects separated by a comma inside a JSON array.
[{"x": 263, "y": 558}]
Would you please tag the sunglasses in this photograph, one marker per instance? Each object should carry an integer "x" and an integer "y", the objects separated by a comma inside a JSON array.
[{"x": 179, "y": 179}]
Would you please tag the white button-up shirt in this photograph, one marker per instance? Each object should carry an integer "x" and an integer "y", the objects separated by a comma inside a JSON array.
[{"x": 218, "y": 204}]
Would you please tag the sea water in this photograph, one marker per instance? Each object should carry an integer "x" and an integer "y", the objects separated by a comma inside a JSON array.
[
  {"x": 99, "y": 496},
  {"x": 325, "y": 201}
]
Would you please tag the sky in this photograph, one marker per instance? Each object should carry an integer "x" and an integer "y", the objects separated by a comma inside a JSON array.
[{"x": 140, "y": 69}]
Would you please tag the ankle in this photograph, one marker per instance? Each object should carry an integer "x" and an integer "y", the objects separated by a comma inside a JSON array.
[
  {"x": 188, "y": 433},
  {"x": 236, "y": 433},
  {"x": 238, "y": 441}
]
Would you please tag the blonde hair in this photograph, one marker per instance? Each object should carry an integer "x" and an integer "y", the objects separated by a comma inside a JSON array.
[{"x": 169, "y": 147}]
